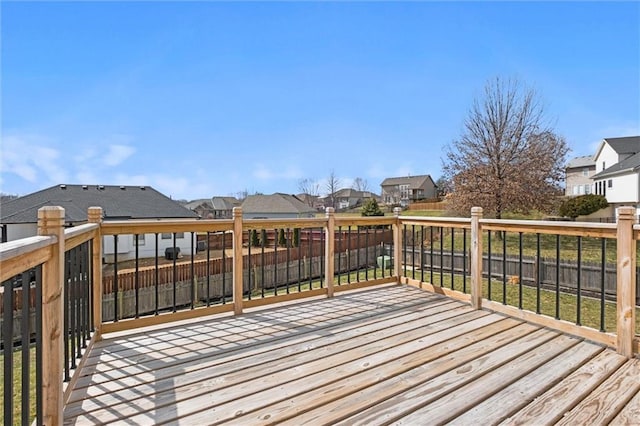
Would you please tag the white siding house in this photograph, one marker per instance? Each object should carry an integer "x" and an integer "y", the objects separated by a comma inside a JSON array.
[{"x": 618, "y": 171}]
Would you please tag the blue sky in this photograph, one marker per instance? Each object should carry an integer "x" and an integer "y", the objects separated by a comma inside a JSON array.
[{"x": 212, "y": 98}]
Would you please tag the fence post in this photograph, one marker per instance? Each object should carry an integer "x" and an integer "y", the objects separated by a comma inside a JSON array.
[
  {"x": 330, "y": 249},
  {"x": 476, "y": 258},
  {"x": 397, "y": 245},
  {"x": 626, "y": 285},
  {"x": 51, "y": 223},
  {"x": 95, "y": 216},
  {"x": 237, "y": 261}
]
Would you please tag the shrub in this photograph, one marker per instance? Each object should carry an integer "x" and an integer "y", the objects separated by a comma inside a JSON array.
[
  {"x": 583, "y": 205},
  {"x": 296, "y": 237},
  {"x": 255, "y": 242},
  {"x": 282, "y": 241},
  {"x": 371, "y": 208}
]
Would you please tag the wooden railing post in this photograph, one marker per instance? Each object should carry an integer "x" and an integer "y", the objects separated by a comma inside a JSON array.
[
  {"x": 626, "y": 285},
  {"x": 397, "y": 245},
  {"x": 476, "y": 258},
  {"x": 95, "y": 216},
  {"x": 237, "y": 260},
  {"x": 51, "y": 223},
  {"x": 330, "y": 250}
]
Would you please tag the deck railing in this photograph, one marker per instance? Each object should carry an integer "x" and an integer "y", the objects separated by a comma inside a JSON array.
[{"x": 577, "y": 277}]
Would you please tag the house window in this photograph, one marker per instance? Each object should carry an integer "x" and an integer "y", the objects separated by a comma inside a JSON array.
[
  {"x": 169, "y": 235},
  {"x": 575, "y": 190},
  {"x": 585, "y": 172},
  {"x": 587, "y": 189},
  {"x": 141, "y": 239},
  {"x": 610, "y": 183}
]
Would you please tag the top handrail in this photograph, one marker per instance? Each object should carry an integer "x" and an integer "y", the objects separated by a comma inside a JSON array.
[
  {"x": 21, "y": 255},
  {"x": 77, "y": 235}
]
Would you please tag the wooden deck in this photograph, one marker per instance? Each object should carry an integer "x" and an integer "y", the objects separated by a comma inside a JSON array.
[{"x": 392, "y": 354}]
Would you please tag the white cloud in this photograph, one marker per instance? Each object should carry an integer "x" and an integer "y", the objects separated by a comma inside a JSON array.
[
  {"x": 28, "y": 157},
  {"x": 261, "y": 172},
  {"x": 117, "y": 154}
]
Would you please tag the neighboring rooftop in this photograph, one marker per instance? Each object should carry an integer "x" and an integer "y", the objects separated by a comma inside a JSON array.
[
  {"x": 225, "y": 203},
  {"x": 117, "y": 202},
  {"x": 627, "y": 165},
  {"x": 413, "y": 181},
  {"x": 581, "y": 162},
  {"x": 275, "y": 203},
  {"x": 625, "y": 145}
]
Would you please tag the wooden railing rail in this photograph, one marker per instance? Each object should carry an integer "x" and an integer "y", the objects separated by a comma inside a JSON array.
[
  {"x": 625, "y": 233},
  {"x": 21, "y": 255}
]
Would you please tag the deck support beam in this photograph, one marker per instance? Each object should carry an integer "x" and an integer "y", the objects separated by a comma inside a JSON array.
[
  {"x": 626, "y": 291},
  {"x": 476, "y": 258},
  {"x": 329, "y": 250},
  {"x": 95, "y": 216},
  {"x": 397, "y": 245},
  {"x": 237, "y": 261},
  {"x": 51, "y": 223}
]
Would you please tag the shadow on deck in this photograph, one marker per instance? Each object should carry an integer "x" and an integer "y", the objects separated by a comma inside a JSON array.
[{"x": 393, "y": 354}]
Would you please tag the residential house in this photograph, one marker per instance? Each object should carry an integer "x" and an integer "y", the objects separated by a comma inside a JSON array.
[
  {"x": 578, "y": 175},
  {"x": 276, "y": 206},
  {"x": 404, "y": 190},
  {"x": 349, "y": 198},
  {"x": 201, "y": 207},
  {"x": 223, "y": 207},
  {"x": 312, "y": 200},
  {"x": 19, "y": 217},
  {"x": 617, "y": 174}
]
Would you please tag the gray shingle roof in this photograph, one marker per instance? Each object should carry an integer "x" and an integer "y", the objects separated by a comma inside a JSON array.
[
  {"x": 625, "y": 145},
  {"x": 627, "y": 165},
  {"x": 117, "y": 202},
  {"x": 224, "y": 203},
  {"x": 413, "y": 181},
  {"x": 275, "y": 203},
  {"x": 580, "y": 162}
]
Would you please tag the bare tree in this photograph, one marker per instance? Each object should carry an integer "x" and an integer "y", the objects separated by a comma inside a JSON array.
[
  {"x": 444, "y": 186},
  {"x": 360, "y": 184},
  {"x": 507, "y": 159},
  {"x": 309, "y": 186},
  {"x": 332, "y": 186}
]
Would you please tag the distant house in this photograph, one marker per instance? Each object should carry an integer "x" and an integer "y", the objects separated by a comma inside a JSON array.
[
  {"x": 617, "y": 174},
  {"x": 201, "y": 207},
  {"x": 404, "y": 190},
  {"x": 223, "y": 207},
  {"x": 275, "y": 206},
  {"x": 348, "y": 198},
  {"x": 312, "y": 200},
  {"x": 19, "y": 217},
  {"x": 578, "y": 175}
]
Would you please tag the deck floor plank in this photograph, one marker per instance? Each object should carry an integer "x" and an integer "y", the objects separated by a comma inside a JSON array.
[
  {"x": 267, "y": 323},
  {"x": 447, "y": 380},
  {"x": 515, "y": 396},
  {"x": 629, "y": 415},
  {"x": 215, "y": 347},
  {"x": 460, "y": 400},
  {"x": 281, "y": 370},
  {"x": 335, "y": 401},
  {"x": 393, "y": 357},
  {"x": 550, "y": 406},
  {"x": 604, "y": 404},
  {"x": 182, "y": 373},
  {"x": 375, "y": 356}
]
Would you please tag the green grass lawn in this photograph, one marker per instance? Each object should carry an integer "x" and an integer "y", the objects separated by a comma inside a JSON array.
[
  {"x": 17, "y": 385},
  {"x": 589, "y": 309},
  {"x": 590, "y": 248}
]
